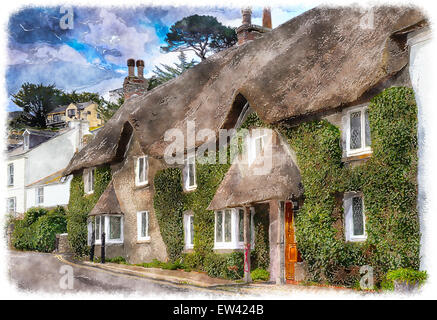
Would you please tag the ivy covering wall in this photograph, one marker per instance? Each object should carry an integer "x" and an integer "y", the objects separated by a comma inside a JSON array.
[
  {"x": 388, "y": 181},
  {"x": 80, "y": 205}
]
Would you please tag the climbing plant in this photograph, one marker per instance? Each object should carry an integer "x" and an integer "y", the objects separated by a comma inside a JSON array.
[
  {"x": 80, "y": 205},
  {"x": 387, "y": 181}
]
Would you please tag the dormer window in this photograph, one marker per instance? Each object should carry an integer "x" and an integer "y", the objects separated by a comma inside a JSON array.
[
  {"x": 141, "y": 171},
  {"x": 358, "y": 139},
  {"x": 190, "y": 173},
  {"x": 89, "y": 181},
  {"x": 256, "y": 144},
  {"x": 71, "y": 113},
  {"x": 26, "y": 140}
]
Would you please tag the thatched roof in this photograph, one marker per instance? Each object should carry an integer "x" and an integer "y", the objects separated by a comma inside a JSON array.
[
  {"x": 108, "y": 203},
  {"x": 317, "y": 61},
  {"x": 244, "y": 184}
]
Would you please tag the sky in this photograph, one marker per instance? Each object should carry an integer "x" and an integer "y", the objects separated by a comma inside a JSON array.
[{"x": 91, "y": 56}]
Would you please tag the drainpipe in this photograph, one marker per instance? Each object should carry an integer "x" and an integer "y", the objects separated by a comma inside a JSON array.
[{"x": 247, "y": 240}]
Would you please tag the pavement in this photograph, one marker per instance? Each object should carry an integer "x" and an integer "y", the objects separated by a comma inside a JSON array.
[{"x": 35, "y": 272}]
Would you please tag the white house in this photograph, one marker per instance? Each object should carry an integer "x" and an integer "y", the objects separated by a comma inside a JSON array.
[{"x": 34, "y": 168}]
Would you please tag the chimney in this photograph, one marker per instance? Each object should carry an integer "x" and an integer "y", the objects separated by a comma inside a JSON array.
[
  {"x": 267, "y": 18},
  {"x": 247, "y": 16},
  {"x": 131, "y": 67},
  {"x": 140, "y": 68}
]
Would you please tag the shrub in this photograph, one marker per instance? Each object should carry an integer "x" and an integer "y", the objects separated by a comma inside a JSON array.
[
  {"x": 39, "y": 235},
  {"x": 407, "y": 275},
  {"x": 33, "y": 214},
  {"x": 228, "y": 266},
  {"x": 260, "y": 274},
  {"x": 46, "y": 228}
]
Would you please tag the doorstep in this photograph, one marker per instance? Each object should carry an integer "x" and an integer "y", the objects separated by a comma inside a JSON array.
[{"x": 199, "y": 279}]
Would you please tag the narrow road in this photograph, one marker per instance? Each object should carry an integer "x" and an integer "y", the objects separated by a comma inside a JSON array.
[{"x": 42, "y": 272}]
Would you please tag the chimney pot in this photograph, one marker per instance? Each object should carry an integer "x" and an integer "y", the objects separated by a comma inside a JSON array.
[
  {"x": 140, "y": 68},
  {"x": 131, "y": 67},
  {"x": 267, "y": 18},
  {"x": 247, "y": 16}
]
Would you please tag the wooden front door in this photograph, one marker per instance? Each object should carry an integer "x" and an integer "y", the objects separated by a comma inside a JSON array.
[{"x": 291, "y": 254}]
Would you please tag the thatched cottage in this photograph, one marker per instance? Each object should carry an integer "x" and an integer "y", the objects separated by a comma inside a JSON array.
[{"x": 308, "y": 85}]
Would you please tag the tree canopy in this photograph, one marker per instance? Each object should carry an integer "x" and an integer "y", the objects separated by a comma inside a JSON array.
[
  {"x": 106, "y": 108},
  {"x": 201, "y": 34},
  {"x": 37, "y": 100},
  {"x": 166, "y": 72}
]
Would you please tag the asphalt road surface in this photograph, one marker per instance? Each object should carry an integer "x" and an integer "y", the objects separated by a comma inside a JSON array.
[{"x": 35, "y": 272}]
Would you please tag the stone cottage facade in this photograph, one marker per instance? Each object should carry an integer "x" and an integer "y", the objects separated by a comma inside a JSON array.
[{"x": 324, "y": 66}]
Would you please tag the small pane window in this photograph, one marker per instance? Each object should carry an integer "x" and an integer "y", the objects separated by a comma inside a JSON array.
[
  {"x": 228, "y": 225},
  {"x": 367, "y": 128},
  {"x": 355, "y": 228},
  {"x": 11, "y": 174},
  {"x": 190, "y": 173},
  {"x": 219, "y": 227},
  {"x": 11, "y": 205},
  {"x": 241, "y": 225},
  {"x": 358, "y": 131},
  {"x": 141, "y": 170},
  {"x": 98, "y": 227},
  {"x": 144, "y": 225},
  {"x": 357, "y": 216},
  {"x": 355, "y": 130},
  {"x": 191, "y": 219},
  {"x": 40, "y": 195},
  {"x": 114, "y": 228}
]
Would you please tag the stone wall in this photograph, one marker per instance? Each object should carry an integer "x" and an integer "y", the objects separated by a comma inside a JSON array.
[
  {"x": 63, "y": 245},
  {"x": 133, "y": 199}
]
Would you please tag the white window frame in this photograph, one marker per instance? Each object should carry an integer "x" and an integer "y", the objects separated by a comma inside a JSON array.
[
  {"x": 348, "y": 217},
  {"x": 364, "y": 149},
  {"x": 14, "y": 209},
  {"x": 26, "y": 140},
  {"x": 235, "y": 242},
  {"x": 144, "y": 181},
  {"x": 187, "y": 173},
  {"x": 39, "y": 196},
  {"x": 139, "y": 225},
  {"x": 106, "y": 218},
  {"x": 11, "y": 174},
  {"x": 90, "y": 177},
  {"x": 188, "y": 236},
  {"x": 256, "y": 134}
]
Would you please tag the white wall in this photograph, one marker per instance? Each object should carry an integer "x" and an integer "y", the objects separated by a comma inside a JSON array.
[
  {"x": 17, "y": 190},
  {"x": 42, "y": 161},
  {"x": 421, "y": 60},
  {"x": 54, "y": 194}
]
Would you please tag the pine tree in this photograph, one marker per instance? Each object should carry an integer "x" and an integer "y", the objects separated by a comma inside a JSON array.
[{"x": 166, "y": 72}]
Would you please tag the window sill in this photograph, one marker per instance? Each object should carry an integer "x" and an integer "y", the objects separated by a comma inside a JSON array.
[
  {"x": 144, "y": 240},
  {"x": 357, "y": 239},
  {"x": 89, "y": 193},
  {"x": 141, "y": 186},
  {"x": 357, "y": 156},
  {"x": 193, "y": 188}
]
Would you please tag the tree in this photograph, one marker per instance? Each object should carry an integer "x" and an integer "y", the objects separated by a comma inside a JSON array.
[
  {"x": 74, "y": 97},
  {"x": 200, "y": 34},
  {"x": 106, "y": 108},
  {"x": 166, "y": 72},
  {"x": 36, "y": 100}
]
